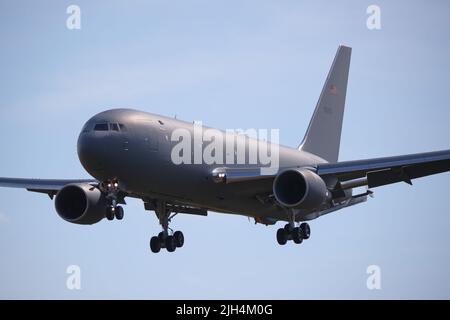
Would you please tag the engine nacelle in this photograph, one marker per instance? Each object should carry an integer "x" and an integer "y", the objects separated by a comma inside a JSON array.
[
  {"x": 81, "y": 204},
  {"x": 300, "y": 189}
]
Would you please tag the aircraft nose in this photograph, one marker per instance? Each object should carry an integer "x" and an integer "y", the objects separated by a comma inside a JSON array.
[{"x": 92, "y": 155}]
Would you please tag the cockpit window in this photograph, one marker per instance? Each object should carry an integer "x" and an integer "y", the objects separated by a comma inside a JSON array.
[
  {"x": 109, "y": 127},
  {"x": 101, "y": 127},
  {"x": 114, "y": 126}
]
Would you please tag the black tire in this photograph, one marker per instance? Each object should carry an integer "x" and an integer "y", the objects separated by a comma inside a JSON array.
[
  {"x": 162, "y": 237},
  {"x": 170, "y": 244},
  {"x": 287, "y": 227},
  {"x": 178, "y": 238},
  {"x": 109, "y": 213},
  {"x": 119, "y": 213},
  {"x": 297, "y": 235},
  {"x": 155, "y": 244},
  {"x": 305, "y": 231},
  {"x": 282, "y": 236}
]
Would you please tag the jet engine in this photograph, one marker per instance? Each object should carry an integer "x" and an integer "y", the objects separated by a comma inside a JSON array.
[
  {"x": 300, "y": 189},
  {"x": 81, "y": 204}
]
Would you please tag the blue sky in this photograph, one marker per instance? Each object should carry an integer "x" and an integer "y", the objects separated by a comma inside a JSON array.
[{"x": 230, "y": 64}]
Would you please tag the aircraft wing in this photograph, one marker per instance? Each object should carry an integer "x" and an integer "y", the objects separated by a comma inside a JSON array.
[
  {"x": 383, "y": 171},
  {"x": 371, "y": 172},
  {"x": 48, "y": 186}
]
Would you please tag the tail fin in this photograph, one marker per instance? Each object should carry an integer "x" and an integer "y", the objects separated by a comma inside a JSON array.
[{"x": 323, "y": 136}]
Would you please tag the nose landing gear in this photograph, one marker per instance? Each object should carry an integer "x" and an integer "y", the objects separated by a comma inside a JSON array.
[
  {"x": 113, "y": 195},
  {"x": 114, "y": 212}
]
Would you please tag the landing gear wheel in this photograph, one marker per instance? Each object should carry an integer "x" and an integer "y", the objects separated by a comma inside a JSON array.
[
  {"x": 282, "y": 236},
  {"x": 287, "y": 227},
  {"x": 178, "y": 238},
  {"x": 162, "y": 237},
  {"x": 170, "y": 244},
  {"x": 155, "y": 244},
  {"x": 297, "y": 235},
  {"x": 305, "y": 231},
  {"x": 118, "y": 213},
  {"x": 110, "y": 213}
]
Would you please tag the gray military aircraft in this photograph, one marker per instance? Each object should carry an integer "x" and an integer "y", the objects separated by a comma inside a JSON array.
[{"x": 130, "y": 154}]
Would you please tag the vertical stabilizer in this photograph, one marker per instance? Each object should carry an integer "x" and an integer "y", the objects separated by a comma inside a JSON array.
[{"x": 323, "y": 136}]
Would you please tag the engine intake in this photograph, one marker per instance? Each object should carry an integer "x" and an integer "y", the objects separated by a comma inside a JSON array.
[
  {"x": 81, "y": 204},
  {"x": 300, "y": 189}
]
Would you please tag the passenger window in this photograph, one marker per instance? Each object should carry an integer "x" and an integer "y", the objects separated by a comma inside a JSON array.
[
  {"x": 101, "y": 127},
  {"x": 114, "y": 126}
]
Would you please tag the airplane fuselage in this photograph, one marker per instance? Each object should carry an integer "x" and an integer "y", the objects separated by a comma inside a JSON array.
[{"x": 138, "y": 154}]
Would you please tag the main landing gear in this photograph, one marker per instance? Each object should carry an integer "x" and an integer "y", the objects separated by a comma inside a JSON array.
[
  {"x": 291, "y": 232},
  {"x": 165, "y": 239}
]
